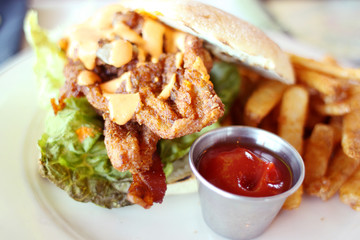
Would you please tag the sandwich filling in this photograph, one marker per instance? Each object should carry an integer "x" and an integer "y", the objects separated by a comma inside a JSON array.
[{"x": 148, "y": 82}]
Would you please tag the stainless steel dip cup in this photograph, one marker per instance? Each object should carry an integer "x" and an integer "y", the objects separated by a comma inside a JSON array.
[{"x": 240, "y": 217}]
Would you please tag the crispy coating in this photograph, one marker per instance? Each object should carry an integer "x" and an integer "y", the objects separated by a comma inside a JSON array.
[
  {"x": 130, "y": 146},
  {"x": 193, "y": 99}
]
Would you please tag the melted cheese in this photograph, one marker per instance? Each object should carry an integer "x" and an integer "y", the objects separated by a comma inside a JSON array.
[
  {"x": 165, "y": 93},
  {"x": 112, "y": 85},
  {"x": 87, "y": 77},
  {"x": 174, "y": 41},
  {"x": 82, "y": 41},
  {"x": 141, "y": 55},
  {"x": 121, "y": 53},
  {"x": 122, "y": 107},
  {"x": 83, "y": 45},
  {"x": 153, "y": 33},
  {"x": 125, "y": 32}
]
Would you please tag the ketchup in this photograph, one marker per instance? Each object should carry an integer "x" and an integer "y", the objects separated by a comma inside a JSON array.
[{"x": 248, "y": 171}]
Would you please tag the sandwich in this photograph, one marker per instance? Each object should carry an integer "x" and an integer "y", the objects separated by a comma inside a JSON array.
[{"x": 132, "y": 87}]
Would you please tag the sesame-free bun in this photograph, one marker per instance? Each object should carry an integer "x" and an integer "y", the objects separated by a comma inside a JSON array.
[{"x": 228, "y": 37}]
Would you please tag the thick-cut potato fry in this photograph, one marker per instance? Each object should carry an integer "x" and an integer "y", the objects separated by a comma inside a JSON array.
[
  {"x": 336, "y": 124},
  {"x": 292, "y": 116},
  {"x": 332, "y": 109},
  {"x": 351, "y": 134},
  {"x": 317, "y": 154},
  {"x": 339, "y": 170},
  {"x": 262, "y": 101},
  {"x": 326, "y": 68},
  {"x": 294, "y": 200},
  {"x": 339, "y": 108},
  {"x": 325, "y": 85},
  {"x": 350, "y": 191},
  {"x": 330, "y": 60}
]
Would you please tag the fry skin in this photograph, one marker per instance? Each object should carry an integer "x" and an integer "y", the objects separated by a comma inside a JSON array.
[
  {"x": 340, "y": 169},
  {"x": 294, "y": 200},
  {"x": 325, "y": 85},
  {"x": 350, "y": 191},
  {"x": 317, "y": 154},
  {"x": 351, "y": 134},
  {"x": 326, "y": 68},
  {"x": 262, "y": 101},
  {"x": 336, "y": 124},
  {"x": 292, "y": 117},
  {"x": 338, "y": 108}
]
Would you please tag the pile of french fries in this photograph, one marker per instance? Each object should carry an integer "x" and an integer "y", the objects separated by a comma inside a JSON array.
[{"x": 320, "y": 116}]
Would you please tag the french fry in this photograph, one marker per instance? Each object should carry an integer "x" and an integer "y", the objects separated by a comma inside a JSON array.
[
  {"x": 326, "y": 68},
  {"x": 339, "y": 170},
  {"x": 351, "y": 134},
  {"x": 339, "y": 108},
  {"x": 262, "y": 101},
  {"x": 317, "y": 154},
  {"x": 294, "y": 200},
  {"x": 336, "y": 124},
  {"x": 325, "y": 85},
  {"x": 292, "y": 116},
  {"x": 330, "y": 60},
  {"x": 350, "y": 191},
  {"x": 332, "y": 109}
]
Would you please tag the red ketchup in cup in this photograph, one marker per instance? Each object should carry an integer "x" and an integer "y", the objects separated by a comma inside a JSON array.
[{"x": 249, "y": 171}]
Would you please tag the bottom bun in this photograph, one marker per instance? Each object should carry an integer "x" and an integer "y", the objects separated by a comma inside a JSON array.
[{"x": 181, "y": 180}]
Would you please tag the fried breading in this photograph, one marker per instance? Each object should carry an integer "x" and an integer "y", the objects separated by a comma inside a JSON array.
[{"x": 130, "y": 146}]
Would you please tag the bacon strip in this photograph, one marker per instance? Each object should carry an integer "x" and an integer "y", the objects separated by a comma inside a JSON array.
[{"x": 148, "y": 187}]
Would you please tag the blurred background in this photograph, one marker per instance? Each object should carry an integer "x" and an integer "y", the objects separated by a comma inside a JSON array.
[{"x": 332, "y": 26}]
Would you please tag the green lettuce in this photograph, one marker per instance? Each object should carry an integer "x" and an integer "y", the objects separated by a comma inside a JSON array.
[
  {"x": 79, "y": 165},
  {"x": 171, "y": 150},
  {"x": 226, "y": 80},
  {"x": 50, "y": 59}
]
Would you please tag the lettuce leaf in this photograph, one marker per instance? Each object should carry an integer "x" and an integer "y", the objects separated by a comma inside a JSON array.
[
  {"x": 226, "y": 80},
  {"x": 74, "y": 157},
  {"x": 171, "y": 150},
  {"x": 50, "y": 59}
]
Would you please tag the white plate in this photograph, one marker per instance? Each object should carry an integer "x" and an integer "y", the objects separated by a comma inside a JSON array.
[{"x": 33, "y": 208}]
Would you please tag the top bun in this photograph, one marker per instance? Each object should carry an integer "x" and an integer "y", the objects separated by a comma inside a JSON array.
[{"x": 230, "y": 38}]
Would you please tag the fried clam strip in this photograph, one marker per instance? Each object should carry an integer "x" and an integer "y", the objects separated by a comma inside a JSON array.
[
  {"x": 132, "y": 147},
  {"x": 192, "y": 104}
]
